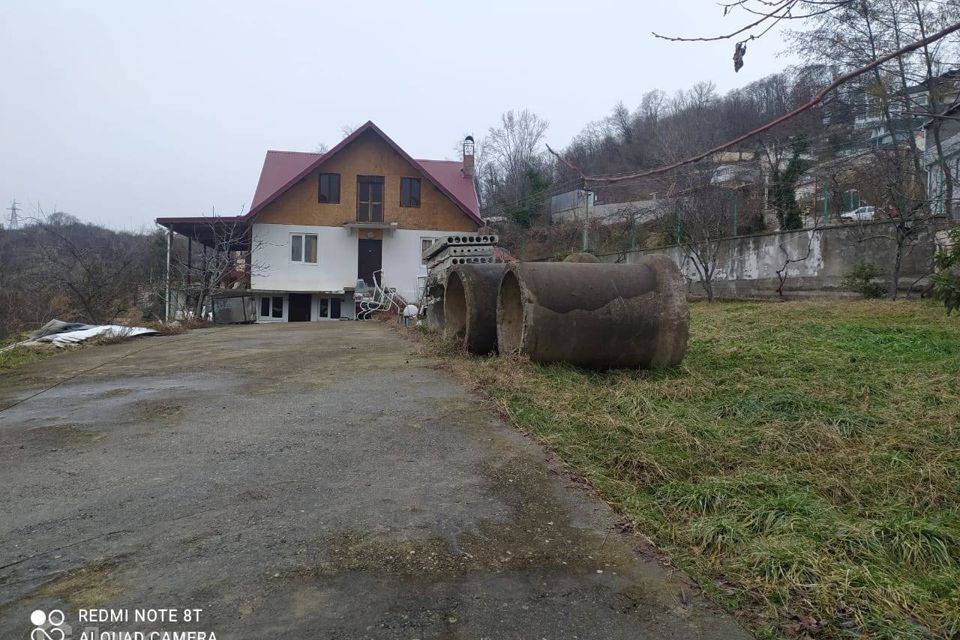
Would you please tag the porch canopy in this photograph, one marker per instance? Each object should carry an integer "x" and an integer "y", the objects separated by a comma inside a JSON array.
[{"x": 223, "y": 233}]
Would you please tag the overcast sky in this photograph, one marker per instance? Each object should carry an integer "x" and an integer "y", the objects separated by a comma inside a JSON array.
[{"x": 120, "y": 112}]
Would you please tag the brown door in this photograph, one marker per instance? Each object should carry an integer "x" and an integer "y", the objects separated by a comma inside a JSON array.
[
  {"x": 298, "y": 309},
  {"x": 369, "y": 259}
]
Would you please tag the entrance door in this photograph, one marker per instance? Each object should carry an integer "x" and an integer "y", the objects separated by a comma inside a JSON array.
[
  {"x": 369, "y": 259},
  {"x": 298, "y": 309}
]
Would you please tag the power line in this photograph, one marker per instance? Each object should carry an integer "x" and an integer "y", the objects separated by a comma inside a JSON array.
[{"x": 14, "y": 219}]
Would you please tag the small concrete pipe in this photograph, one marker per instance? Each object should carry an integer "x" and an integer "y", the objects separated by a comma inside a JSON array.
[
  {"x": 598, "y": 316},
  {"x": 470, "y": 306}
]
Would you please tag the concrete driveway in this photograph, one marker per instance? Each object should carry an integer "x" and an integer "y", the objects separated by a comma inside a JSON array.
[{"x": 304, "y": 481}]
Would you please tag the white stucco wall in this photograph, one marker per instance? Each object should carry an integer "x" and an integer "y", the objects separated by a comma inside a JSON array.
[
  {"x": 336, "y": 266},
  {"x": 401, "y": 259}
]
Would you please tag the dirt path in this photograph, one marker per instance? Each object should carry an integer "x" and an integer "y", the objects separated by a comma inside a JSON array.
[{"x": 316, "y": 481}]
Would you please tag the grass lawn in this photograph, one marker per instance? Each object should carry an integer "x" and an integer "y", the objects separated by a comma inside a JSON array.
[
  {"x": 19, "y": 356},
  {"x": 803, "y": 463}
]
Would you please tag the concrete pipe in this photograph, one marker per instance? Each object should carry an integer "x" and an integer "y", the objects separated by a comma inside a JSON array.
[
  {"x": 434, "y": 315},
  {"x": 470, "y": 306},
  {"x": 599, "y": 316},
  {"x": 433, "y": 312},
  {"x": 582, "y": 257}
]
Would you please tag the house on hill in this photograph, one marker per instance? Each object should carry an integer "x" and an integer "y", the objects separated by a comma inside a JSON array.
[{"x": 323, "y": 226}]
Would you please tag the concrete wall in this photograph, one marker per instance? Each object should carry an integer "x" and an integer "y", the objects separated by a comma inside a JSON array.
[
  {"x": 747, "y": 265},
  {"x": 336, "y": 266}
]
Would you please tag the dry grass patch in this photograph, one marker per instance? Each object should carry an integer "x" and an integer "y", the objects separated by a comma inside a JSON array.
[{"x": 803, "y": 463}]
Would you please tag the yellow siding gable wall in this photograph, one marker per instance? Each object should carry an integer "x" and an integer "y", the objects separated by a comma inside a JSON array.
[{"x": 367, "y": 155}]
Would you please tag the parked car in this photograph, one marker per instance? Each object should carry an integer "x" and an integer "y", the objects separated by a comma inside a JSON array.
[{"x": 858, "y": 214}]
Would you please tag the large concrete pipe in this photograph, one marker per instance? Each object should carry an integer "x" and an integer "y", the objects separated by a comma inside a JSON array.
[
  {"x": 470, "y": 306},
  {"x": 435, "y": 315},
  {"x": 582, "y": 256},
  {"x": 600, "y": 316}
]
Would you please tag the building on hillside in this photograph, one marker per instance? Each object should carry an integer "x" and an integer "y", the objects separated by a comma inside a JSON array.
[
  {"x": 323, "y": 226},
  {"x": 580, "y": 205},
  {"x": 908, "y": 109},
  {"x": 950, "y": 144}
]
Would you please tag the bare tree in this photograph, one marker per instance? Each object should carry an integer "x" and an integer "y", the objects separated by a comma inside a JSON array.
[
  {"x": 514, "y": 174},
  {"x": 761, "y": 17},
  {"x": 97, "y": 269},
  {"x": 703, "y": 218},
  {"x": 783, "y": 273},
  {"x": 859, "y": 34},
  {"x": 223, "y": 259}
]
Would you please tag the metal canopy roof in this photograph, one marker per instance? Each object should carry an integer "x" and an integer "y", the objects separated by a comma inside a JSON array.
[{"x": 231, "y": 233}]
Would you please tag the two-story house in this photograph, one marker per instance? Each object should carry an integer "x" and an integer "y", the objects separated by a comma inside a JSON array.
[{"x": 322, "y": 223}]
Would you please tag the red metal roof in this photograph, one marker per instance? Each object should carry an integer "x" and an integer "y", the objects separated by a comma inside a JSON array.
[
  {"x": 449, "y": 173},
  {"x": 278, "y": 168},
  {"x": 283, "y": 169}
]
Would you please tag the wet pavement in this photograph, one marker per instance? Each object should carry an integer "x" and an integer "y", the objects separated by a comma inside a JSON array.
[{"x": 304, "y": 480}]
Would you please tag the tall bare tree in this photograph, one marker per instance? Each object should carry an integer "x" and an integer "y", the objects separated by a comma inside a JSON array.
[
  {"x": 225, "y": 259},
  {"x": 703, "y": 217},
  {"x": 514, "y": 172}
]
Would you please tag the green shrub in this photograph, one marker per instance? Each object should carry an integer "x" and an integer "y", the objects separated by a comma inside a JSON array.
[{"x": 861, "y": 281}]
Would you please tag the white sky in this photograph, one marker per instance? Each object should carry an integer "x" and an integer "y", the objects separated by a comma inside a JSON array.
[{"x": 120, "y": 112}]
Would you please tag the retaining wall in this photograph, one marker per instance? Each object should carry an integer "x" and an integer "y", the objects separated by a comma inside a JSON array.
[{"x": 747, "y": 265}]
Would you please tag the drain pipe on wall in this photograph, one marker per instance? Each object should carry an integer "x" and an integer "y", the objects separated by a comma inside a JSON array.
[{"x": 166, "y": 311}]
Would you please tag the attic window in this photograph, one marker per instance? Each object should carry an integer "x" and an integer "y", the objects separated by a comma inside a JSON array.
[
  {"x": 329, "y": 188},
  {"x": 409, "y": 192},
  {"x": 370, "y": 198}
]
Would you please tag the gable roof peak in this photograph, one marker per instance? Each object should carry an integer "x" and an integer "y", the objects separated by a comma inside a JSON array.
[{"x": 283, "y": 169}]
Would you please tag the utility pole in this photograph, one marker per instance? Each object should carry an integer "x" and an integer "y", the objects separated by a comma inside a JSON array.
[
  {"x": 14, "y": 219},
  {"x": 585, "y": 239}
]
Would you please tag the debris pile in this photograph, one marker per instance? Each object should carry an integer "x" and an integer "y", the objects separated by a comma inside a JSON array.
[{"x": 60, "y": 334}]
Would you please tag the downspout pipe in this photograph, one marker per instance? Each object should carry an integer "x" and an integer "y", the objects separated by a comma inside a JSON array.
[{"x": 166, "y": 312}]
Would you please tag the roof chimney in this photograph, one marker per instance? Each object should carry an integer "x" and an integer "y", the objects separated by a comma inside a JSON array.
[{"x": 468, "y": 156}]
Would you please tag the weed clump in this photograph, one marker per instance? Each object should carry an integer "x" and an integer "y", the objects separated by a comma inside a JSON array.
[{"x": 862, "y": 280}]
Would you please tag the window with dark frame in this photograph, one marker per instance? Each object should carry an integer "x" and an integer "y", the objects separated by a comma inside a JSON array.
[
  {"x": 277, "y": 309},
  {"x": 409, "y": 192},
  {"x": 329, "y": 192},
  {"x": 370, "y": 198},
  {"x": 330, "y": 308},
  {"x": 265, "y": 307}
]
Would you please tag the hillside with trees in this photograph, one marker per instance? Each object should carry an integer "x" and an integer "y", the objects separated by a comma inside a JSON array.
[
  {"x": 872, "y": 139},
  {"x": 58, "y": 267}
]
